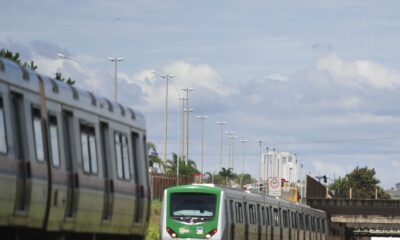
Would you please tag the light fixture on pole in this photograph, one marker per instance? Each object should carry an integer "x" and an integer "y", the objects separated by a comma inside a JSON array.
[
  {"x": 115, "y": 60},
  {"x": 243, "y": 141},
  {"x": 202, "y": 118},
  {"x": 166, "y": 77},
  {"x": 65, "y": 57},
  {"x": 230, "y": 134},
  {"x": 220, "y": 153},
  {"x": 187, "y": 90}
]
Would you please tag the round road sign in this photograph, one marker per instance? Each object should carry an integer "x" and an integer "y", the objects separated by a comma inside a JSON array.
[{"x": 274, "y": 182}]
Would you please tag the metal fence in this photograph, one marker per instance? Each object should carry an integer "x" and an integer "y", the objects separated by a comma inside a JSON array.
[{"x": 160, "y": 181}]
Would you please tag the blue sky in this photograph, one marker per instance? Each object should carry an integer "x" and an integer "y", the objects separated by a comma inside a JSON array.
[{"x": 318, "y": 78}]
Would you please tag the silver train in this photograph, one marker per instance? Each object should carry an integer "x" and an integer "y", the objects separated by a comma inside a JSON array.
[
  {"x": 72, "y": 164},
  {"x": 204, "y": 211}
]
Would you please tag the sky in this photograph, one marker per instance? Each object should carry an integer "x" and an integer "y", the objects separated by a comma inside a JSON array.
[{"x": 318, "y": 78}]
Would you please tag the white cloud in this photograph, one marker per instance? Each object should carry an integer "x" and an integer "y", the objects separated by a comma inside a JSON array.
[
  {"x": 359, "y": 73},
  {"x": 324, "y": 167},
  {"x": 356, "y": 118},
  {"x": 277, "y": 77},
  {"x": 202, "y": 77}
]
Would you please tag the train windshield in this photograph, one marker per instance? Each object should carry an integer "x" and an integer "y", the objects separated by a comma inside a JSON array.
[{"x": 200, "y": 205}]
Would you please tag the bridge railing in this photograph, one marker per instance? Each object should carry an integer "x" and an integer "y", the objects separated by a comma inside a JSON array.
[{"x": 382, "y": 207}]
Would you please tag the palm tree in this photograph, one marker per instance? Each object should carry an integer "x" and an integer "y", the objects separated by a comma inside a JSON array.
[
  {"x": 209, "y": 177},
  {"x": 184, "y": 169},
  {"x": 227, "y": 174}
]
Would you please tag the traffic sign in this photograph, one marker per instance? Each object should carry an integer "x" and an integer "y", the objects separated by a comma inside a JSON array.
[{"x": 274, "y": 187}]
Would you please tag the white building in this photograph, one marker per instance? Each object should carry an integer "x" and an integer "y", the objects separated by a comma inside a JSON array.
[{"x": 282, "y": 165}]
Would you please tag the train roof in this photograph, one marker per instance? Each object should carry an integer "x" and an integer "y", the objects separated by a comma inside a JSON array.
[
  {"x": 74, "y": 97},
  {"x": 249, "y": 195}
]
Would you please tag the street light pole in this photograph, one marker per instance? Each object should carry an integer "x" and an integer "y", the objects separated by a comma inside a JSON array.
[
  {"x": 243, "y": 141},
  {"x": 230, "y": 134},
  {"x": 115, "y": 60},
  {"x": 261, "y": 165},
  {"x": 166, "y": 77},
  {"x": 177, "y": 144},
  {"x": 183, "y": 127},
  {"x": 188, "y": 110},
  {"x": 202, "y": 118},
  {"x": 220, "y": 154},
  {"x": 232, "y": 150}
]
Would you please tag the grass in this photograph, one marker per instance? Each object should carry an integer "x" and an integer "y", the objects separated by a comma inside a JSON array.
[{"x": 154, "y": 228}]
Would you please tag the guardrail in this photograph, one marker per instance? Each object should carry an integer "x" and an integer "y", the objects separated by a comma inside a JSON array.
[{"x": 382, "y": 207}]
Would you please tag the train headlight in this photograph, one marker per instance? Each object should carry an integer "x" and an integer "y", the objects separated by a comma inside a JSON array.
[
  {"x": 171, "y": 232},
  {"x": 211, "y": 233}
]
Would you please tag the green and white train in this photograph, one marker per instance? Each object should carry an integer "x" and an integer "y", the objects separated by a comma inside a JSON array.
[{"x": 206, "y": 211}]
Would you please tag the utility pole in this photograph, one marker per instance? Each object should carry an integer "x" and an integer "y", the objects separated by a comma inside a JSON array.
[
  {"x": 230, "y": 134},
  {"x": 261, "y": 165},
  {"x": 115, "y": 60},
  {"x": 243, "y": 141},
  {"x": 202, "y": 118},
  {"x": 220, "y": 153},
  {"x": 187, "y": 90}
]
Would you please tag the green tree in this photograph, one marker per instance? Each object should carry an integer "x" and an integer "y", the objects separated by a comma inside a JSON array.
[
  {"x": 363, "y": 183},
  {"x": 245, "y": 179},
  {"x": 59, "y": 77},
  {"x": 15, "y": 57},
  {"x": 184, "y": 169},
  {"x": 226, "y": 174}
]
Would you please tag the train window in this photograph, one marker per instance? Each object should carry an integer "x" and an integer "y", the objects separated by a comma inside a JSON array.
[
  {"x": 231, "y": 210},
  {"x": 318, "y": 224},
  {"x": 307, "y": 223},
  {"x": 118, "y": 154},
  {"x": 55, "y": 150},
  {"x": 323, "y": 225},
  {"x": 285, "y": 219},
  {"x": 85, "y": 152},
  {"x": 296, "y": 220},
  {"x": 121, "y": 151},
  {"x": 301, "y": 221},
  {"x": 252, "y": 211},
  {"x": 125, "y": 156},
  {"x": 268, "y": 216},
  {"x": 276, "y": 217},
  {"x": 93, "y": 153},
  {"x": 312, "y": 224},
  {"x": 196, "y": 205},
  {"x": 292, "y": 219},
  {"x": 263, "y": 215},
  {"x": 135, "y": 142},
  {"x": 38, "y": 134},
  {"x": 3, "y": 139},
  {"x": 89, "y": 150},
  {"x": 239, "y": 212}
]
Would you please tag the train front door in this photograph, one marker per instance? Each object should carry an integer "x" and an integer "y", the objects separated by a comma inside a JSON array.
[
  {"x": 23, "y": 191},
  {"x": 73, "y": 177}
]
